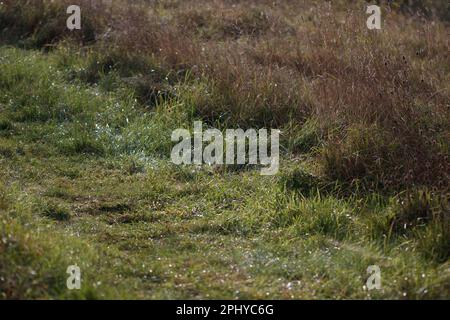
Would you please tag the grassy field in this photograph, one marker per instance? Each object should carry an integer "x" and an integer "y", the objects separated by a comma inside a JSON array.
[{"x": 86, "y": 177}]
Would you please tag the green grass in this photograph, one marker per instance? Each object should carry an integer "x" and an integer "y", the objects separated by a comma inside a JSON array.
[{"x": 87, "y": 181}]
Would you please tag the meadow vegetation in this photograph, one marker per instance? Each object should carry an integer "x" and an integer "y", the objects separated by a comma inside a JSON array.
[{"x": 86, "y": 178}]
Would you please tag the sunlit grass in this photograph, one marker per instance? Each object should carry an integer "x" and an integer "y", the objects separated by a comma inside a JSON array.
[{"x": 85, "y": 144}]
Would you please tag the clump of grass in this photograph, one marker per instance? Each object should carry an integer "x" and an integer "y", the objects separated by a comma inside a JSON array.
[
  {"x": 54, "y": 211},
  {"x": 131, "y": 218},
  {"x": 422, "y": 215},
  {"x": 358, "y": 155},
  {"x": 9, "y": 149},
  {"x": 302, "y": 138},
  {"x": 5, "y": 125},
  {"x": 300, "y": 181},
  {"x": 133, "y": 165},
  {"x": 230, "y": 23},
  {"x": 33, "y": 265},
  {"x": 4, "y": 198},
  {"x": 381, "y": 160},
  {"x": 113, "y": 67},
  {"x": 24, "y": 26},
  {"x": 107, "y": 59},
  {"x": 58, "y": 192},
  {"x": 418, "y": 208},
  {"x": 81, "y": 144},
  {"x": 317, "y": 215},
  {"x": 434, "y": 241},
  {"x": 429, "y": 8},
  {"x": 21, "y": 265}
]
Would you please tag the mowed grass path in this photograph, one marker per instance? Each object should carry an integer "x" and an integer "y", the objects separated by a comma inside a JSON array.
[{"x": 86, "y": 180}]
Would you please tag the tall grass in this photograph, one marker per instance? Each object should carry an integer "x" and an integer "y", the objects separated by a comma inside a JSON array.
[{"x": 263, "y": 64}]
